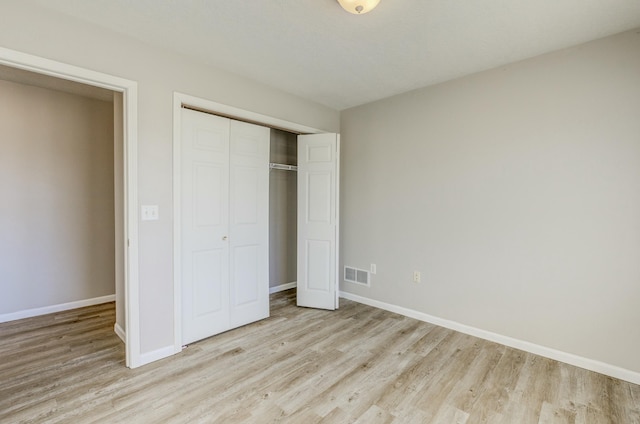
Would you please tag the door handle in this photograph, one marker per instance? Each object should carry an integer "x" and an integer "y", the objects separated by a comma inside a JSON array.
[{"x": 224, "y": 238}]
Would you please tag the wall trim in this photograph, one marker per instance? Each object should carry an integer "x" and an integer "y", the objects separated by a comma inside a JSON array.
[
  {"x": 155, "y": 355},
  {"x": 547, "y": 352},
  {"x": 120, "y": 332},
  {"x": 283, "y": 287},
  {"x": 29, "y": 313}
]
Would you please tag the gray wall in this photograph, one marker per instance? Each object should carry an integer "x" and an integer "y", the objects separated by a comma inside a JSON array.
[
  {"x": 56, "y": 186},
  {"x": 516, "y": 193},
  {"x": 283, "y": 207},
  {"x": 159, "y": 73}
]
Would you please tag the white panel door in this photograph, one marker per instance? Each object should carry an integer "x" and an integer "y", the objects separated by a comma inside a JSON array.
[
  {"x": 249, "y": 223},
  {"x": 204, "y": 225},
  {"x": 318, "y": 157}
]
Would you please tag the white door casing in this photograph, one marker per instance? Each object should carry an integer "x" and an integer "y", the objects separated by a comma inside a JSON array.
[{"x": 318, "y": 156}]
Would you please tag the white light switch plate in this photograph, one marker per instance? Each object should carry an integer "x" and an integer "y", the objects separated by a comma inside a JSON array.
[{"x": 150, "y": 212}]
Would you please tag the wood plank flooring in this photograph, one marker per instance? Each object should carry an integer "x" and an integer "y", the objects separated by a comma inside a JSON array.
[{"x": 355, "y": 365}]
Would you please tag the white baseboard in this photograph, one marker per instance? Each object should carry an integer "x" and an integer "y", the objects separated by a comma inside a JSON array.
[
  {"x": 155, "y": 355},
  {"x": 283, "y": 287},
  {"x": 568, "y": 358},
  {"x": 120, "y": 332},
  {"x": 29, "y": 313}
]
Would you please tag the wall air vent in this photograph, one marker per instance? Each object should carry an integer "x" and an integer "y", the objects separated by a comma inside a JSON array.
[{"x": 355, "y": 275}]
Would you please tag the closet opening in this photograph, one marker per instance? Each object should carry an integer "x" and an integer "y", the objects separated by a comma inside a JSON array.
[
  {"x": 283, "y": 201},
  {"x": 249, "y": 188},
  {"x": 283, "y": 210}
]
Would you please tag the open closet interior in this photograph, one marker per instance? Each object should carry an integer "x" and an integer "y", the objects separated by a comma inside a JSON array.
[{"x": 283, "y": 209}]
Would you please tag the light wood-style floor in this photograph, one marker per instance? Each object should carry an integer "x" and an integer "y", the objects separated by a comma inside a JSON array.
[{"x": 357, "y": 364}]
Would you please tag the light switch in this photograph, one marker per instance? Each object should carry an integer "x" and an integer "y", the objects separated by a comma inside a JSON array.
[{"x": 150, "y": 212}]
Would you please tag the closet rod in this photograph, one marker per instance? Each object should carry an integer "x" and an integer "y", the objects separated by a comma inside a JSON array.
[{"x": 283, "y": 167}]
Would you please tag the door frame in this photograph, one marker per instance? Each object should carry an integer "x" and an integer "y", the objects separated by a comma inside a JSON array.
[
  {"x": 129, "y": 90},
  {"x": 180, "y": 99}
]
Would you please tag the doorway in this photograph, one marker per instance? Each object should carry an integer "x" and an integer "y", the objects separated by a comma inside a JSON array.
[
  {"x": 57, "y": 250},
  {"x": 128, "y": 197}
]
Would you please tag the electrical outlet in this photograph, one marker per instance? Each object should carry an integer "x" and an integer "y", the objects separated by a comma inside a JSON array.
[
  {"x": 372, "y": 269},
  {"x": 416, "y": 276}
]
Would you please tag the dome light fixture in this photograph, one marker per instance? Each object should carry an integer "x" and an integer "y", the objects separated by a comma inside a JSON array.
[{"x": 358, "y": 7}]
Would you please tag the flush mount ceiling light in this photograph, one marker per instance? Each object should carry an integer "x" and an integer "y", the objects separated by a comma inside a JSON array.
[{"x": 358, "y": 7}]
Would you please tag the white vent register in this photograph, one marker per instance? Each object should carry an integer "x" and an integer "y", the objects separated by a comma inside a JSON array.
[{"x": 355, "y": 275}]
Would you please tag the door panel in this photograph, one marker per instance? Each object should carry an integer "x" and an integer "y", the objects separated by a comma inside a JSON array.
[
  {"x": 318, "y": 220},
  {"x": 247, "y": 189},
  {"x": 208, "y": 266},
  {"x": 204, "y": 225},
  {"x": 246, "y": 264},
  {"x": 319, "y": 265},
  {"x": 319, "y": 186},
  {"x": 249, "y": 229},
  {"x": 320, "y": 154},
  {"x": 209, "y": 183}
]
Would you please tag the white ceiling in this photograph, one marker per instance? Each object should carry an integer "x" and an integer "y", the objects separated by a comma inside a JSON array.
[{"x": 313, "y": 49}]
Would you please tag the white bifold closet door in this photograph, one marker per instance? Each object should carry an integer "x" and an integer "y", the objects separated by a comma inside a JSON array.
[
  {"x": 224, "y": 224},
  {"x": 318, "y": 194},
  {"x": 249, "y": 223}
]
